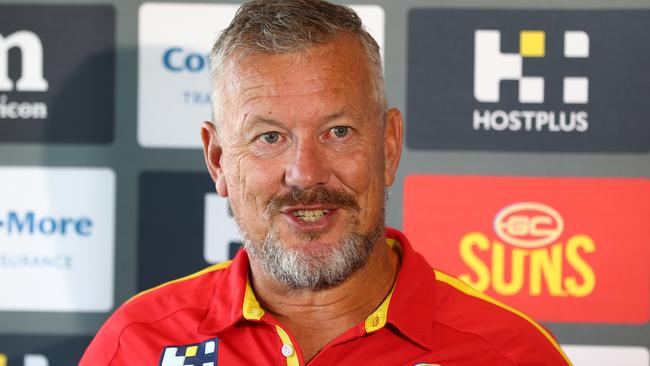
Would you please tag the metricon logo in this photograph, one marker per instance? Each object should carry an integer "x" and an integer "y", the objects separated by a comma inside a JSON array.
[
  {"x": 52, "y": 78},
  {"x": 31, "y": 50},
  {"x": 31, "y": 79},
  {"x": 491, "y": 67}
]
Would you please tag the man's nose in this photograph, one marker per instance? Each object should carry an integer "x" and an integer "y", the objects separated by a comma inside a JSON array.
[{"x": 309, "y": 166}]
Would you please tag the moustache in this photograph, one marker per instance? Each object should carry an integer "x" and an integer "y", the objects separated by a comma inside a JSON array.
[{"x": 314, "y": 196}]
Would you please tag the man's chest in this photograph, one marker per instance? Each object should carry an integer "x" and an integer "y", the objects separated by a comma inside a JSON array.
[{"x": 268, "y": 344}]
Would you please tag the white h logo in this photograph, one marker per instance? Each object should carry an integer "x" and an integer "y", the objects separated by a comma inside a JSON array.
[
  {"x": 31, "y": 49},
  {"x": 491, "y": 66}
]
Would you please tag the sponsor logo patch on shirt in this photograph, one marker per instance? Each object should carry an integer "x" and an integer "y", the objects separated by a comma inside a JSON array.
[{"x": 199, "y": 354}]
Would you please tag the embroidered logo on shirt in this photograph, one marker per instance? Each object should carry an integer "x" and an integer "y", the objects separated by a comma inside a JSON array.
[
  {"x": 199, "y": 354},
  {"x": 426, "y": 364}
]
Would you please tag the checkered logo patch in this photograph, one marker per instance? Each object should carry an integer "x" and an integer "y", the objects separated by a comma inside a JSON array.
[{"x": 199, "y": 354}]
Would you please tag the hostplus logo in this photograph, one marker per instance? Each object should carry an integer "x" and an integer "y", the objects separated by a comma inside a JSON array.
[
  {"x": 31, "y": 79},
  {"x": 491, "y": 67}
]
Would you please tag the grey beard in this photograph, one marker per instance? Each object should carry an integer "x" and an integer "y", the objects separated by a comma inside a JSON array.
[{"x": 311, "y": 269}]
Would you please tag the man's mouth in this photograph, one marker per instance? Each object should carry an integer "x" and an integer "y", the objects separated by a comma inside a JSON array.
[{"x": 310, "y": 215}]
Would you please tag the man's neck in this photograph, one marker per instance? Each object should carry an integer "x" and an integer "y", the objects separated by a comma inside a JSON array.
[{"x": 330, "y": 311}]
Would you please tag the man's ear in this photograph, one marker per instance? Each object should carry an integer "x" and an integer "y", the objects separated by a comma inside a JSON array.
[
  {"x": 212, "y": 151},
  {"x": 393, "y": 136}
]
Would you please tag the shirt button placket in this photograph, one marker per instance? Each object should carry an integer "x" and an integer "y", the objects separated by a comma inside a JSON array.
[{"x": 287, "y": 350}]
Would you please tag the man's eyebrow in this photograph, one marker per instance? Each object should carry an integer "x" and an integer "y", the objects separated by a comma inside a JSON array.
[
  {"x": 338, "y": 115},
  {"x": 256, "y": 120},
  {"x": 250, "y": 123}
]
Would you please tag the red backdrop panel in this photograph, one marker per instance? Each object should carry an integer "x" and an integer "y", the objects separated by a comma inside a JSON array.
[{"x": 559, "y": 249}]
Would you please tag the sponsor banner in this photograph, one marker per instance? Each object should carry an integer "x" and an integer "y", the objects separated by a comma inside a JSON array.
[
  {"x": 56, "y": 239},
  {"x": 540, "y": 80},
  {"x": 607, "y": 355},
  {"x": 41, "y": 350},
  {"x": 174, "y": 42},
  {"x": 57, "y": 82},
  {"x": 183, "y": 232},
  {"x": 559, "y": 249}
]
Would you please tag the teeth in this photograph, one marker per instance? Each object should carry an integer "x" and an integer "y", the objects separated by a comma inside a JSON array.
[{"x": 310, "y": 215}]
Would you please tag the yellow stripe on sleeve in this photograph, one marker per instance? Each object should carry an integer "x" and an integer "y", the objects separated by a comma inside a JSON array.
[
  {"x": 466, "y": 289},
  {"x": 214, "y": 267}
]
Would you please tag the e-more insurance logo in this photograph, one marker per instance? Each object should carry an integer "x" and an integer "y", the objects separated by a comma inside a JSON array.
[
  {"x": 56, "y": 239},
  {"x": 528, "y": 80},
  {"x": 56, "y": 83},
  {"x": 560, "y": 249},
  {"x": 174, "y": 42}
]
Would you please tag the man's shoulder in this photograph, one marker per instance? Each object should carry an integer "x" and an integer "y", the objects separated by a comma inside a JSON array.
[
  {"x": 193, "y": 291},
  {"x": 187, "y": 298},
  {"x": 510, "y": 332}
]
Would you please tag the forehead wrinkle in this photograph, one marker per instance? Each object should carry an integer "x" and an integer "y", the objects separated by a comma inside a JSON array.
[
  {"x": 286, "y": 88},
  {"x": 250, "y": 123}
]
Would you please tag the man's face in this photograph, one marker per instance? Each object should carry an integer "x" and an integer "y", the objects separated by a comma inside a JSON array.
[{"x": 304, "y": 161}]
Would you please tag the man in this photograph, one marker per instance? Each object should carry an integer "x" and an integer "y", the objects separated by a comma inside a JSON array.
[{"x": 304, "y": 148}]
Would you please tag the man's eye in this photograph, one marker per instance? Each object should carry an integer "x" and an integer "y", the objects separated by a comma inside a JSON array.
[
  {"x": 340, "y": 131},
  {"x": 270, "y": 137}
]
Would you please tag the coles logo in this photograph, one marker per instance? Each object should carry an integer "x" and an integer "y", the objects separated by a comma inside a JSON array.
[
  {"x": 529, "y": 231},
  {"x": 558, "y": 249},
  {"x": 174, "y": 41}
]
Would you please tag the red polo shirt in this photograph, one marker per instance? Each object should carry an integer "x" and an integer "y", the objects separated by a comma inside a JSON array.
[{"x": 212, "y": 318}]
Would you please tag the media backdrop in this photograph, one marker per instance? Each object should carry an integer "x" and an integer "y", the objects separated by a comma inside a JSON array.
[{"x": 525, "y": 172}]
